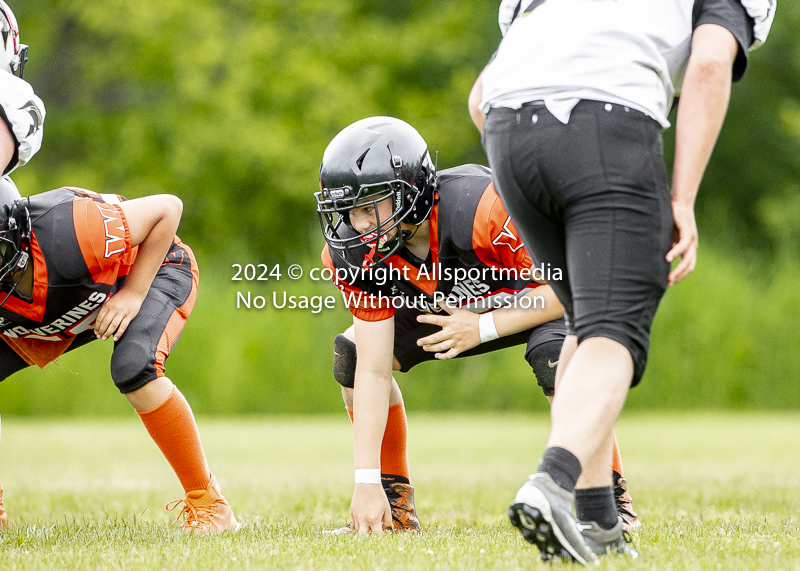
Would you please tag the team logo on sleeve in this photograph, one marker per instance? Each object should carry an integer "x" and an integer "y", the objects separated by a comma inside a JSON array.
[
  {"x": 36, "y": 117},
  {"x": 115, "y": 231},
  {"x": 507, "y": 237}
]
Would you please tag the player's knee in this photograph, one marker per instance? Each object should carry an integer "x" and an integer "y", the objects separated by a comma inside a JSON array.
[
  {"x": 635, "y": 339},
  {"x": 344, "y": 361},
  {"x": 132, "y": 366},
  {"x": 543, "y": 359}
]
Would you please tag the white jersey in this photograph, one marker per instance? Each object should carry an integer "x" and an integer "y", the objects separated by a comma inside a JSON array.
[
  {"x": 630, "y": 52},
  {"x": 24, "y": 112}
]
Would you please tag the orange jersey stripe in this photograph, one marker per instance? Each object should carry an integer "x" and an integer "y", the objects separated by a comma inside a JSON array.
[
  {"x": 36, "y": 309},
  {"x": 104, "y": 239},
  {"x": 177, "y": 320}
]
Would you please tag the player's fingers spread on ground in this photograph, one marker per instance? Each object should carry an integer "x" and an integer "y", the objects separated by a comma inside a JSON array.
[
  {"x": 387, "y": 521},
  {"x": 365, "y": 525}
]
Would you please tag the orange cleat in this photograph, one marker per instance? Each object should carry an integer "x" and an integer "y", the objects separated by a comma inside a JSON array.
[
  {"x": 206, "y": 511},
  {"x": 624, "y": 503},
  {"x": 401, "y": 500},
  {"x": 404, "y": 516},
  {"x": 3, "y": 514}
]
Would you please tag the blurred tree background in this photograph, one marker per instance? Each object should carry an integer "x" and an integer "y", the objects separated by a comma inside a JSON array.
[{"x": 229, "y": 104}]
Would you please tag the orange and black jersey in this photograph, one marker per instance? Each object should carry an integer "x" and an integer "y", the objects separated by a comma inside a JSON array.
[
  {"x": 476, "y": 257},
  {"x": 81, "y": 252}
]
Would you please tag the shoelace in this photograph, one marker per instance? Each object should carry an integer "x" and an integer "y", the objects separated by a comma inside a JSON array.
[
  {"x": 196, "y": 516},
  {"x": 622, "y": 503}
]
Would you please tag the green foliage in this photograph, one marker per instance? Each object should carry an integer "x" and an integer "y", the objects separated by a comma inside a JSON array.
[
  {"x": 229, "y": 104},
  {"x": 754, "y": 170}
]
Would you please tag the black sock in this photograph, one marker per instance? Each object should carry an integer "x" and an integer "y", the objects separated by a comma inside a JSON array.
[
  {"x": 596, "y": 504},
  {"x": 562, "y": 465}
]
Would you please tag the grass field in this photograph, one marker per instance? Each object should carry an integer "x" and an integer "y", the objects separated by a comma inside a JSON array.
[{"x": 714, "y": 491}]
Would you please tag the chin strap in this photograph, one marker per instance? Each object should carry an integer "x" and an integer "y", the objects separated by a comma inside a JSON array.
[{"x": 408, "y": 234}]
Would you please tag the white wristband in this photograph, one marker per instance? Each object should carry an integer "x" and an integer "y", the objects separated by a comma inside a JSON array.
[
  {"x": 368, "y": 476},
  {"x": 486, "y": 328}
]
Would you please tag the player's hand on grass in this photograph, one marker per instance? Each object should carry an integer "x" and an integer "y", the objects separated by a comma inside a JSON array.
[
  {"x": 115, "y": 315},
  {"x": 460, "y": 332},
  {"x": 369, "y": 510},
  {"x": 684, "y": 241}
]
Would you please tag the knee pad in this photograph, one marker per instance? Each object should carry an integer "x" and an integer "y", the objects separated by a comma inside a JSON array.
[
  {"x": 132, "y": 365},
  {"x": 344, "y": 361},
  {"x": 543, "y": 360}
]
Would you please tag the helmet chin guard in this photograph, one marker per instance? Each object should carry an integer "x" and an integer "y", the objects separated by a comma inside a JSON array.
[{"x": 370, "y": 161}]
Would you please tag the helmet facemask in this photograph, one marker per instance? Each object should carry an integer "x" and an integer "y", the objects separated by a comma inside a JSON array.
[
  {"x": 384, "y": 239},
  {"x": 15, "y": 232}
]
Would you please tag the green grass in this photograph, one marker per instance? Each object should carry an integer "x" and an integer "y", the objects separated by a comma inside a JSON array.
[{"x": 714, "y": 491}]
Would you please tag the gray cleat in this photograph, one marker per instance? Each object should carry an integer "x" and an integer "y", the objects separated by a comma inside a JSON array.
[
  {"x": 606, "y": 541},
  {"x": 542, "y": 511}
]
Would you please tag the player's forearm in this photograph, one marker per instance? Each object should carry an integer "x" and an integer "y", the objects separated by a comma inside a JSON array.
[
  {"x": 370, "y": 411},
  {"x": 510, "y": 320},
  {"x": 155, "y": 245},
  {"x": 474, "y": 101},
  {"x": 702, "y": 108}
]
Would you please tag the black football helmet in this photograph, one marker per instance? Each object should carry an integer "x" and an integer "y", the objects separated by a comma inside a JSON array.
[
  {"x": 13, "y": 54},
  {"x": 15, "y": 236},
  {"x": 369, "y": 161}
]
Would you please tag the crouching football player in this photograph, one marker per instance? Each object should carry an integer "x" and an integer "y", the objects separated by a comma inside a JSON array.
[
  {"x": 78, "y": 266},
  {"x": 385, "y": 213}
]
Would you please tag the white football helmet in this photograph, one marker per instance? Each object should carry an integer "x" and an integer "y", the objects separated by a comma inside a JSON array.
[{"x": 13, "y": 54}]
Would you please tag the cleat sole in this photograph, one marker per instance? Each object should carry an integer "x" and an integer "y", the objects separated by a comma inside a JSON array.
[{"x": 537, "y": 530}]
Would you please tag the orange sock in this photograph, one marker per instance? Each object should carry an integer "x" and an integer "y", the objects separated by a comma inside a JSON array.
[
  {"x": 394, "y": 453},
  {"x": 616, "y": 459},
  {"x": 173, "y": 429}
]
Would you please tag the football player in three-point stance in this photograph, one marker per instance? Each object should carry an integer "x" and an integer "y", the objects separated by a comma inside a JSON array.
[
  {"x": 22, "y": 114},
  {"x": 386, "y": 213}
]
